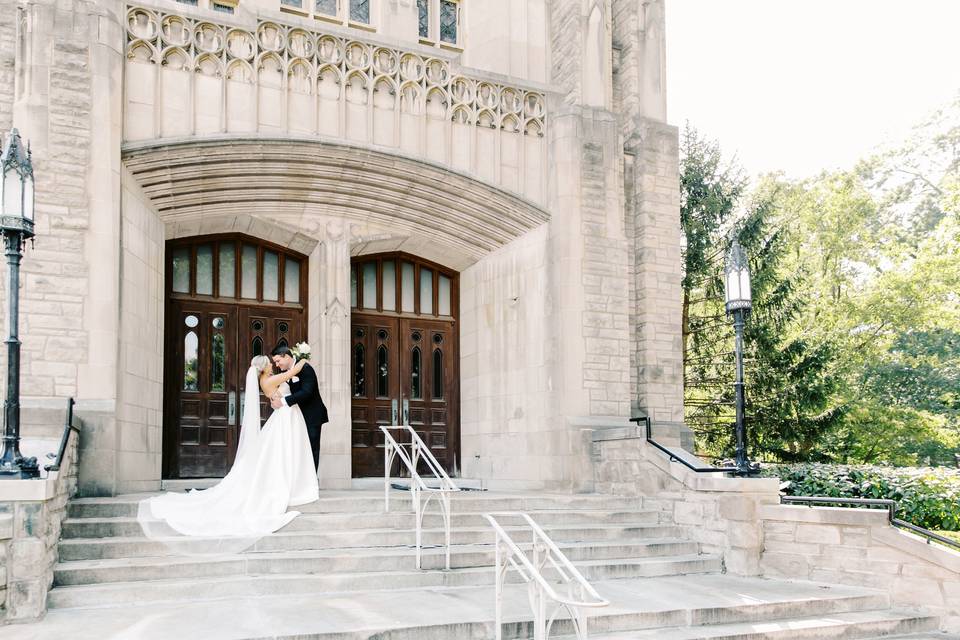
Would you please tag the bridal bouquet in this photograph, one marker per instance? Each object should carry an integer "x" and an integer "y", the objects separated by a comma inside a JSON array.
[{"x": 301, "y": 351}]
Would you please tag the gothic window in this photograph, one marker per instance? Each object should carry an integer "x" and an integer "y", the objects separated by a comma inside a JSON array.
[
  {"x": 326, "y": 7},
  {"x": 359, "y": 380},
  {"x": 415, "y": 378},
  {"x": 217, "y": 357},
  {"x": 257, "y": 347},
  {"x": 423, "y": 9},
  {"x": 360, "y": 11},
  {"x": 449, "y": 18},
  {"x": 437, "y": 374},
  {"x": 191, "y": 342},
  {"x": 397, "y": 283},
  {"x": 383, "y": 372},
  {"x": 231, "y": 267}
]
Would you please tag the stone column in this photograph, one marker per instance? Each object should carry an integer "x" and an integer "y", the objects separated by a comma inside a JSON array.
[
  {"x": 329, "y": 335},
  {"x": 68, "y": 105}
]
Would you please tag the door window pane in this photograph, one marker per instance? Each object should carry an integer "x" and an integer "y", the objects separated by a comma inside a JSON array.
[
  {"x": 359, "y": 379},
  {"x": 181, "y": 270},
  {"x": 190, "y": 343},
  {"x": 228, "y": 271},
  {"x": 271, "y": 276},
  {"x": 383, "y": 373},
  {"x": 443, "y": 295},
  {"x": 248, "y": 273},
  {"x": 217, "y": 364},
  {"x": 353, "y": 286},
  {"x": 426, "y": 291},
  {"x": 448, "y": 21},
  {"x": 360, "y": 11},
  {"x": 370, "y": 285},
  {"x": 257, "y": 347},
  {"x": 437, "y": 374},
  {"x": 406, "y": 287},
  {"x": 415, "y": 368},
  {"x": 205, "y": 270},
  {"x": 291, "y": 280},
  {"x": 389, "y": 285},
  {"x": 423, "y": 10}
]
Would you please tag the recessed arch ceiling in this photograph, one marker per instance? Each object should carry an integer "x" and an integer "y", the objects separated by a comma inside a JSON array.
[{"x": 292, "y": 180}]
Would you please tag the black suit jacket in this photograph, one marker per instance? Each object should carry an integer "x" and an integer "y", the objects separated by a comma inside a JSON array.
[{"x": 305, "y": 393}]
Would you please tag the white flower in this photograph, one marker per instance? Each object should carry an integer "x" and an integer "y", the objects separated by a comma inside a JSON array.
[{"x": 301, "y": 351}]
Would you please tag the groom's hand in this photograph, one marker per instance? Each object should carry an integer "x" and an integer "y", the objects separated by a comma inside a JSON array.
[{"x": 276, "y": 402}]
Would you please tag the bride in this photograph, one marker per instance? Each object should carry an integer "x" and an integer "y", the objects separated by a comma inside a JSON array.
[{"x": 273, "y": 470}]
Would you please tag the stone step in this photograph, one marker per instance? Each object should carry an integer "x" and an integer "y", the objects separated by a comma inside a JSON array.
[
  {"x": 700, "y": 606},
  {"x": 128, "y": 527},
  {"x": 848, "y": 625},
  {"x": 400, "y": 501},
  {"x": 234, "y": 586},
  {"x": 126, "y": 547},
  {"x": 626, "y": 556}
]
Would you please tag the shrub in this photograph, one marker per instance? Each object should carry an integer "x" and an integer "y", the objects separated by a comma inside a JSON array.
[{"x": 926, "y": 497}]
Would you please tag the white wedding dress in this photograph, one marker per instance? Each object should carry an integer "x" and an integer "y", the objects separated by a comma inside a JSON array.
[{"x": 273, "y": 470}]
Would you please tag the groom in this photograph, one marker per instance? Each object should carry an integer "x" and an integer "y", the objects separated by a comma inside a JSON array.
[{"x": 305, "y": 393}]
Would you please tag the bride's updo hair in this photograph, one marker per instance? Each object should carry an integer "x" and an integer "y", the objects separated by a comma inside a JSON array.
[{"x": 260, "y": 363}]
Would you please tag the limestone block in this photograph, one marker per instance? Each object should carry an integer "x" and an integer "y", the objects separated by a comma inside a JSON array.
[
  {"x": 27, "y": 558},
  {"x": 917, "y": 591},
  {"x": 742, "y": 562},
  {"x": 791, "y": 565},
  {"x": 6, "y": 525},
  {"x": 790, "y": 546},
  {"x": 26, "y": 599},
  {"x": 737, "y": 508},
  {"x": 824, "y": 533},
  {"x": 744, "y": 534},
  {"x": 688, "y": 513}
]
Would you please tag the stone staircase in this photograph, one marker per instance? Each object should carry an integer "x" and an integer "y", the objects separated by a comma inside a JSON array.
[{"x": 345, "y": 570}]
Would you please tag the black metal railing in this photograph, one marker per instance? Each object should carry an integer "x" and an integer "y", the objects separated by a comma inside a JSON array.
[
  {"x": 673, "y": 455},
  {"x": 65, "y": 438},
  {"x": 890, "y": 505}
]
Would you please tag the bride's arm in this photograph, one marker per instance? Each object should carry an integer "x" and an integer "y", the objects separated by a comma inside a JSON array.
[{"x": 276, "y": 380}]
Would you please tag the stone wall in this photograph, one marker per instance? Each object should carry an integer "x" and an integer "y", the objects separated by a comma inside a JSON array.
[
  {"x": 860, "y": 547},
  {"x": 653, "y": 207},
  {"x": 140, "y": 393},
  {"x": 31, "y": 515},
  {"x": 720, "y": 513},
  {"x": 510, "y": 434}
]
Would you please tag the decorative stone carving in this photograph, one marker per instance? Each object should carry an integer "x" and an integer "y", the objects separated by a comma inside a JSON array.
[{"x": 303, "y": 59}]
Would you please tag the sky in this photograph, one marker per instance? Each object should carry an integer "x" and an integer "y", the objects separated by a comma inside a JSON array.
[{"x": 807, "y": 85}]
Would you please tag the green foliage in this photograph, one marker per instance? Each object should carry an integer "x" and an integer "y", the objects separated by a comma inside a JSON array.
[
  {"x": 789, "y": 406},
  {"x": 926, "y": 497},
  {"x": 853, "y": 347}
]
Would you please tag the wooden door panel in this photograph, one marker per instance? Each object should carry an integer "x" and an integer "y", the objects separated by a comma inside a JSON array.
[
  {"x": 374, "y": 389},
  {"x": 200, "y": 380}
]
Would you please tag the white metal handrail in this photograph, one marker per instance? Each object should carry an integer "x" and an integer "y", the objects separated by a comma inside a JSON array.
[
  {"x": 579, "y": 595},
  {"x": 410, "y": 454}
]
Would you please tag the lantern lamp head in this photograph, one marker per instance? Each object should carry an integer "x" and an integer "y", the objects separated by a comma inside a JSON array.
[
  {"x": 16, "y": 186},
  {"x": 737, "y": 279}
]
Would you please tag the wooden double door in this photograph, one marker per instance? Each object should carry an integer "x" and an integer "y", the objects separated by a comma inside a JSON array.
[
  {"x": 208, "y": 351},
  {"x": 403, "y": 370}
]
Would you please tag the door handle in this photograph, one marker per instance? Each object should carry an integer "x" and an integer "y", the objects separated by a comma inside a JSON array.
[
  {"x": 406, "y": 411},
  {"x": 243, "y": 393},
  {"x": 394, "y": 414},
  {"x": 232, "y": 408}
]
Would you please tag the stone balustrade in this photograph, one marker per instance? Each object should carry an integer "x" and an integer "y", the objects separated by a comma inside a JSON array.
[{"x": 187, "y": 75}]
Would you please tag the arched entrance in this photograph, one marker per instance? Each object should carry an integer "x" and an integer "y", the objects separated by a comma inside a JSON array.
[
  {"x": 404, "y": 357},
  {"x": 228, "y": 298}
]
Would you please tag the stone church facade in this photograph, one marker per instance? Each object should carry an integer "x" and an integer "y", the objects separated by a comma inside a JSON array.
[{"x": 469, "y": 209}]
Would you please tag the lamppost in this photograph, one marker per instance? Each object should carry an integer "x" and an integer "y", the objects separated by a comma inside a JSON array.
[
  {"x": 16, "y": 224},
  {"x": 739, "y": 302}
]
